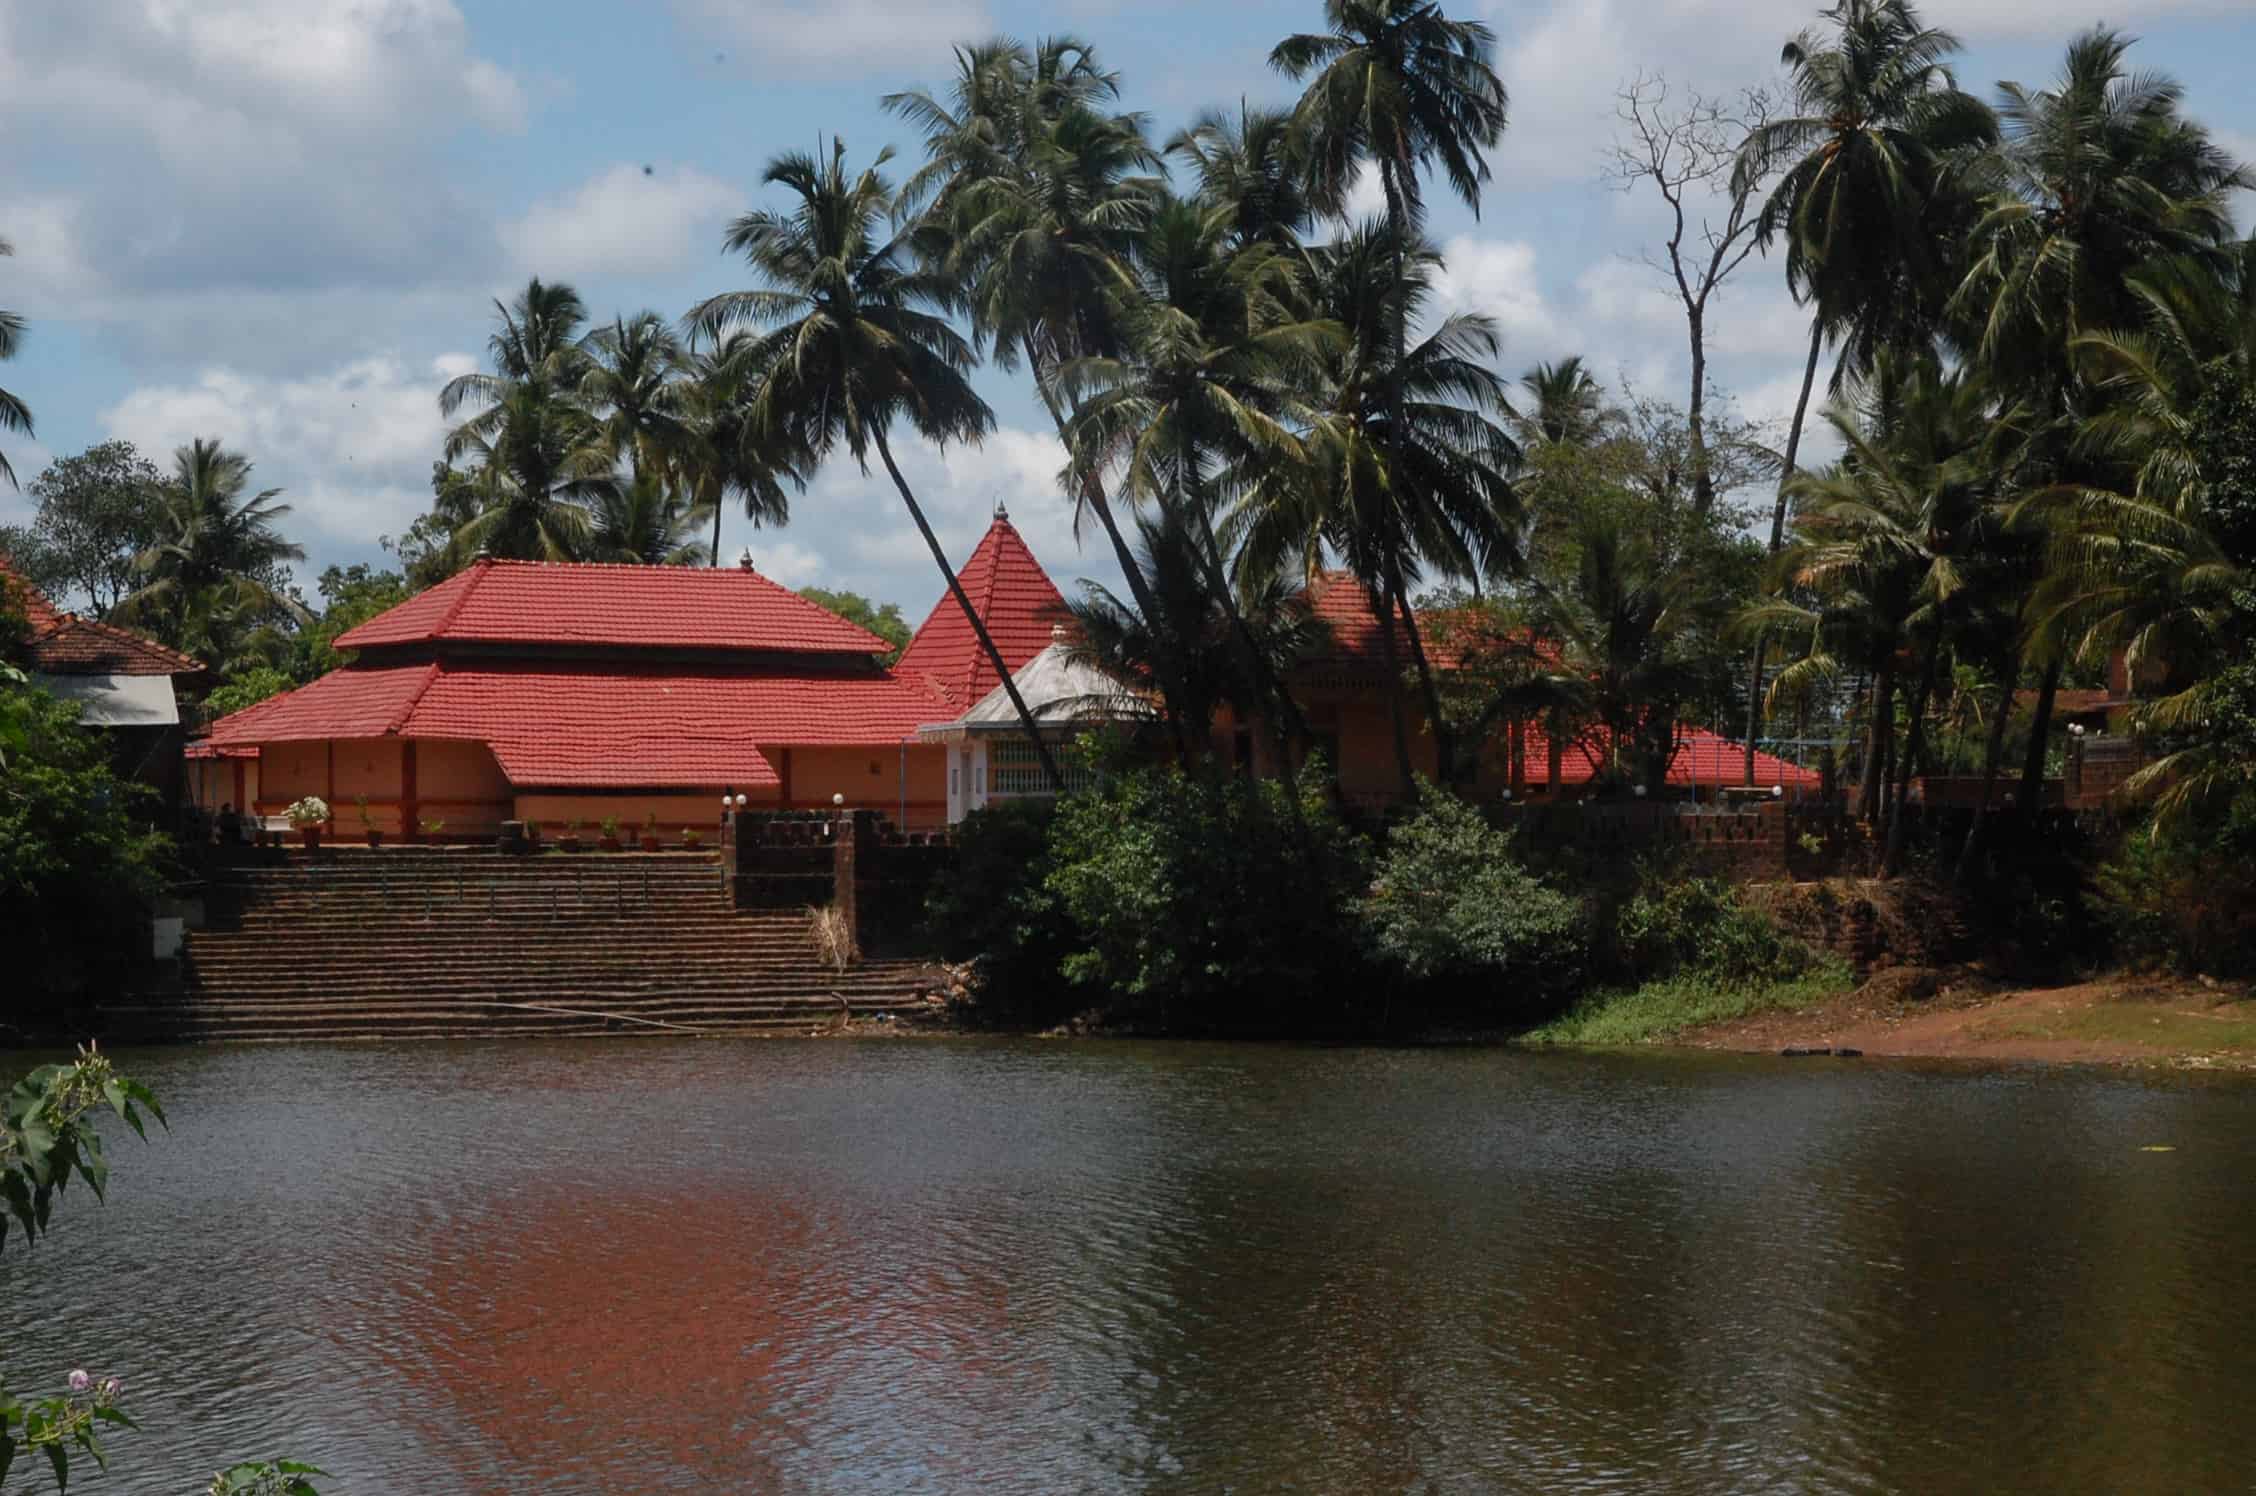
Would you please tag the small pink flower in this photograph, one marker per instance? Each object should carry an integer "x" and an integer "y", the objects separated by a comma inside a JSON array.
[{"x": 79, "y": 1381}]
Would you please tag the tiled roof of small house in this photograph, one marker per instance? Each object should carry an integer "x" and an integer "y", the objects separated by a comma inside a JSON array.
[
  {"x": 1704, "y": 760},
  {"x": 1012, "y": 595},
  {"x": 634, "y": 607},
  {"x": 65, "y": 644}
]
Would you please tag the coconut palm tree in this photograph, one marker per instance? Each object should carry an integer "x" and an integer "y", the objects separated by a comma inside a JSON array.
[
  {"x": 1209, "y": 390},
  {"x": 735, "y": 454},
  {"x": 853, "y": 337},
  {"x": 640, "y": 519},
  {"x": 1873, "y": 159},
  {"x": 220, "y": 549},
  {"x": 1566, "y": 406},
  {"x": 641, "y": 403},
  {"x": 1408, "y": 466},
  {"x": 1251, "y": 164},
  {"x": 1397, "y": 85},
  {"x": 2100, "y": 174},
  {"x": 1891, "y": 540},
  {"x": 1037, "y": 197},
  {"x": 14, "y": 414},
  {"x": 527, "y": 435}
]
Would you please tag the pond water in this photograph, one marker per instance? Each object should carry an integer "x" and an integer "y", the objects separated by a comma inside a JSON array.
[{"x": 1029, "y": 1267}]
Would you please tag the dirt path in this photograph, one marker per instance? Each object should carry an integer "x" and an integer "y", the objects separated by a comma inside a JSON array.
[{"x": 2119, "y": 1021}]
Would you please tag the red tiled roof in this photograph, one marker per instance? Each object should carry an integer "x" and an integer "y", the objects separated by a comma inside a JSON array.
[
  {"x": 80, "y": 646},
  {"x": 1345, "y": 607},
  {"x": 649, "y": 607},
  {"x": 1704, "y": 760},
  {"x": 1012, "y": 595},
  {"x": 66, "y": 644},
  {"x": 553, "y": 725},
  {"x": 42, "y": 613}
]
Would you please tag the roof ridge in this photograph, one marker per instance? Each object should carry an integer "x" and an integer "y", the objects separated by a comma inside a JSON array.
[
  {"x": 478, "y": 572},
  {"x": 414, "y": 700}
]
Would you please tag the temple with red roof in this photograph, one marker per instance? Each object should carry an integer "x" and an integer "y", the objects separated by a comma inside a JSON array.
[{"x": 575, "y": 693}]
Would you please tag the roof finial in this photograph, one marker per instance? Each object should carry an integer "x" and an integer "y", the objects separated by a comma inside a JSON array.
[
  {"x": 745, "y": 561},
  {"x": 1057, "y": 633},
  {"x": 1001, "y": 513}
]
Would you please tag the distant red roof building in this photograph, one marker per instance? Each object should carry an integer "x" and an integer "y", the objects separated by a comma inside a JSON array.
[
  {"x": 1016, "y": 599},
  {"x": 65, "y": 644}
]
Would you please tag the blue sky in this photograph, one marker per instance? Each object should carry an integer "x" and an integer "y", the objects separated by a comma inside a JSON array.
[{"x": 281, "y": 222}]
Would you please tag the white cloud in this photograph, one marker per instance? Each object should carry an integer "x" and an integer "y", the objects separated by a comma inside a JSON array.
[
  {"x": 275, "y": 144},
  {"x": 626, "y": 220},
  {"x": 786, "y": 562},
  {"x": 1498, "y": 277},
  {"x": 351, "y": 448},
  {"x": 790, "y": 37}
]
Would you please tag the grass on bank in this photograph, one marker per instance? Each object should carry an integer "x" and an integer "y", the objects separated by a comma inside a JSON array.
[
  {"x": 2225, "y": 1027},
  {"x": 1668, "y": 1006}
]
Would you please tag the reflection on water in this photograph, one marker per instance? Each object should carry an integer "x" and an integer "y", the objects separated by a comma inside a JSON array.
[{"x": 1021, "y": 1267}]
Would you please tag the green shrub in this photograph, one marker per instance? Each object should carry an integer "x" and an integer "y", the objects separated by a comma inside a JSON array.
[
  {"x": 1699, "y": 925},
  {"x": 996, "y": 905},
  {"x": 2185, "y": 898},
  {"x": 1204, "y": 903},
  {"x": 1450, "y": 904}
]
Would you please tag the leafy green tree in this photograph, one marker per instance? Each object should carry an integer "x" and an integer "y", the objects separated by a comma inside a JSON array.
[
  {"x": 248, "y": 688},
  {"x": 350, "y": 596},
  {"x": 883, "y": 620},
  {"x": 867, "y": 339},
  {"x": 77, "y": 855},
  {"x": 98, "y": 510},
  {"x": 14, "y": 414},
  {"x": 1449, "y": 903},
  {"x": 1250, "y": 165}
]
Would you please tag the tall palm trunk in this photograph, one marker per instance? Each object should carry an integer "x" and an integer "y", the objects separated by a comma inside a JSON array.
[
  {"x": 1993, "y": 757},
  {"x": 1445, "y": 761},
  {"x": 1286, "y": 725},
  {"x": 1778, "y": 539},
  {"x": 716, "y": 532},
  {"x": 971, "y": 614},
  {"x": 1879, "y": 732},
  {"x": 1915, "y": 742},
  {"x": 1381, "y": 601},
  {"x": 2040, "y": 736},
  {"x": 1139, "y": 587}
]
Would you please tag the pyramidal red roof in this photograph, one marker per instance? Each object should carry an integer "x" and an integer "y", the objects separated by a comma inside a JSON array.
[
  {"x": 42, "y": 613},
  {"x": 1012, "y": 595},
  {"x": 644, "y": 607}
]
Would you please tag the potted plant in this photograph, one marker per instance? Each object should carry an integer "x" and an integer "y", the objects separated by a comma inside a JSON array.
[
  {"x": 610, "y": 839},
  {"x": 532, "y": 835},
  {"x": 307, "y": 816},
  {"x": 650, "y": 833},
  {"x": 690, "y": 839},
  {"x": 570, "y": 840},
  {"x": 368, "y": 822},
  {"x": 431, "y": 829}
]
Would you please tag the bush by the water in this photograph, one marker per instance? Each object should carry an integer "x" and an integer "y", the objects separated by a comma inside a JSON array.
[
  {"x": 1451, "y": 904},
  {"x": 2184, "y": 896},
  {"x": 1206, "y": 902}
]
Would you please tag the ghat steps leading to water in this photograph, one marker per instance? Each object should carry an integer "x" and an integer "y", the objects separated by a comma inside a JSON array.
[{"x": 421, "y": 943}]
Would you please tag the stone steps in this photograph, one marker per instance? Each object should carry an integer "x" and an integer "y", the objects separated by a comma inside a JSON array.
[{"x": 423, "y": 944}]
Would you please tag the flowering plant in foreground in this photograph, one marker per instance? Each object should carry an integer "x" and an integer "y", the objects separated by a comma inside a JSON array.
[{"x": 46, "y": 1139}]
